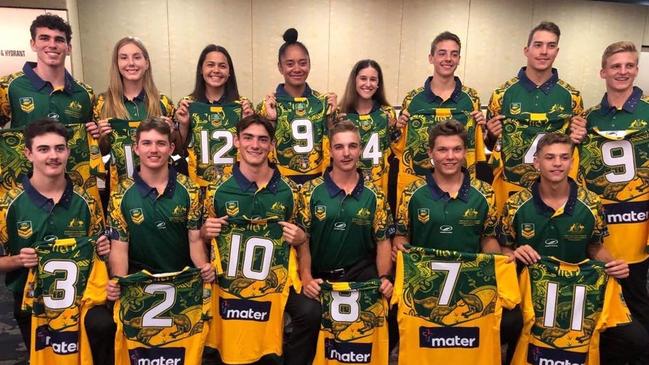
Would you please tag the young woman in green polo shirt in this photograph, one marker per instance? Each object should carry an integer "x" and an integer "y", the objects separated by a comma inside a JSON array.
[
  {"x": 131, "y": 95},
  {"x": 208, "y": 116}
]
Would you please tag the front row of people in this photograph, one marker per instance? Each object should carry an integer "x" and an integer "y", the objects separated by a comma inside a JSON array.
[{"x": 340, "y": 226}]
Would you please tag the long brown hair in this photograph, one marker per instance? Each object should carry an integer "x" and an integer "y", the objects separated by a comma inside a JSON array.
[
  {"x": 348, "y": 102},
  {"x": 114, "y": 96}
]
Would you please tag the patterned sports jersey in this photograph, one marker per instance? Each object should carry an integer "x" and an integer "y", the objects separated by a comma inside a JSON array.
[
  {"x": 614, "y": 163},
  {"x": 256, "y": 269},
  {"x": 162, "y": 318},
  {"x": 427, "y": 109},
  {"x": 354, "y": 327},
  {"x": 565, "y": 307},
  {"x": 450, "y": 305},
  {"x": 68, "y": 281},
  {"x": 301, "y": 136},
  {"x": 122, "y": 157},
  {"x": 530, "y": 113},
  {"x": 84, "y": 163},
  {"x": 211, "y": 148},
  {"x": 374, "y": 129}
]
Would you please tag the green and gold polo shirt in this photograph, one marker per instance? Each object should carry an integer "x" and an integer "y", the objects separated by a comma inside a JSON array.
[
  {"x": 301, "y": 143},
  {"x": 429, "y": 217},
  {"x": 427, "y": 109},
  {"x": 564, "y": 233},
  {"x": 156, "y": 226},
  {"x": 135, "y": 108},
  {"x": 530, "y": 112},
  {"x": 28, "y": 217},
  {"x": 343, "y": 228},
  {"x": 25, "y": 97},
  {"x": 211, "y": 150},
  {"x": 614, "y": 163},
  {"x": 374, "y": 129}
]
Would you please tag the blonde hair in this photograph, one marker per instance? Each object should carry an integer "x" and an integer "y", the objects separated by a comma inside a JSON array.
[
  {"x": 619, "y": 47},
  {"x": 114, "y": 96}
]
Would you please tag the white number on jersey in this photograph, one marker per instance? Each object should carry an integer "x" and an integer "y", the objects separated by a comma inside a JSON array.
[
  {"x": 619, "y": 154},
  {"x": 345, "y": 307},
  {"x": 529, "y": 155},
  {"x": 372, "y": 150},
  {"x": 302, "y": 133},
  {"x": 65, "y": 289},
  {"x": 578, "y": 306},
  {"x": 453, "y": 270},
  {"x": 252, "y": 246},
  {"x": 150, "y": 317},
  {"x": 218, "y": 158}
]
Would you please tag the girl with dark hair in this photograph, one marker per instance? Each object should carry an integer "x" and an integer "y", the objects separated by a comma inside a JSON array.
[
  {"x": 207, "y": 117},
  {"x": 364, "y": 103},
  {"x": 300, "y": 113}
]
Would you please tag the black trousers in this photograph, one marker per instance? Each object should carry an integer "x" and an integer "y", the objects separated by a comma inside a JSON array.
[
  {"x": 300, "y": 346},
  {"x": 511, "y": 326},
  {"x": 99, "y": 326}
]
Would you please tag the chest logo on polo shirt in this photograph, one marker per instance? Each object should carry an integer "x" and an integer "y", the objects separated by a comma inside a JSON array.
[
  {"x": 178, "y": 214},
  {"x": 638, "y": 124},
  {"x": 232, "y": 207},
  {"x": 446, "y": 229},
  {"x": 423, "y": 215},
  {"x": 576, "y": 232},
  {"x": 137, "y": 216},
  {"x": 24, "y": 229},
  {"x": 362, "y": 217},
  {"x": 340, "y": 226},
  {"x": 527, "y": 230},
  {"x": 278, "y": 209},
  {"x": 74, "y": 109},
  {"x": 320, "y": 212},
  {"x": 76, "y": 228},
  {"x": 551, "y": 242},
  {"x": 515, "y": 108},
  {"x": 26, "y": 104}
]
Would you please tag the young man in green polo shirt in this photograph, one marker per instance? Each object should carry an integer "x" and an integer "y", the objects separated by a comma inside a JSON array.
[
  {"x": 450, "y": 210},
  {"x": 45, "y": 88},
  {"x": 156, "y": 214},
  {"x": 442, "y": 97},
  {"x": 556, "y": 217},
  {"x": 349, "y": 225},
  {"x": 526, "y": 107},
  {"x": 47, "y": 204}
]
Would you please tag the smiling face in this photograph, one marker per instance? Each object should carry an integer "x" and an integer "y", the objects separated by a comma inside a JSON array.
[
  {"x": 50, "y": 46},
  {"x": 153, "y": 148},
  {"x": 448, "y": 155},
  {"x": 542, "y": 50},
  {"x": 620, "y": 71},
  {"x": 295, "y": 66},
  {"x": 254, "y": 143},
  {"x": 48, "y": 154},
  {"x": 553, "y": 162},
  {"x": 345, "y": 150},
  {"x": 131, "y": 62},
  {"x": 445, "y": 58},
  {"x": 216, "y": 70},
  {"x": 367, "y": 82}
]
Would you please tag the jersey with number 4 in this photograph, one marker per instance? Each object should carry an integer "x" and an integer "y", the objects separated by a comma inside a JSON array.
[
  {"x": 162, "y": 318},
  {"x": 68, "y": 281},
  {"x": 301, "y": 135},
  {"x": 450, "y": 305},
  {"x": 614, "y": 163},
  {"x": 211, "y": 148},
  {"x": 565, "y": 307},
  {"x": 354, "y": 327},
  {"x": 84, "y": 163},
  {"x": 375, "y": 138},
  {"x": 122, "y": 157},
  {"x": 256, "y": 269}
]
